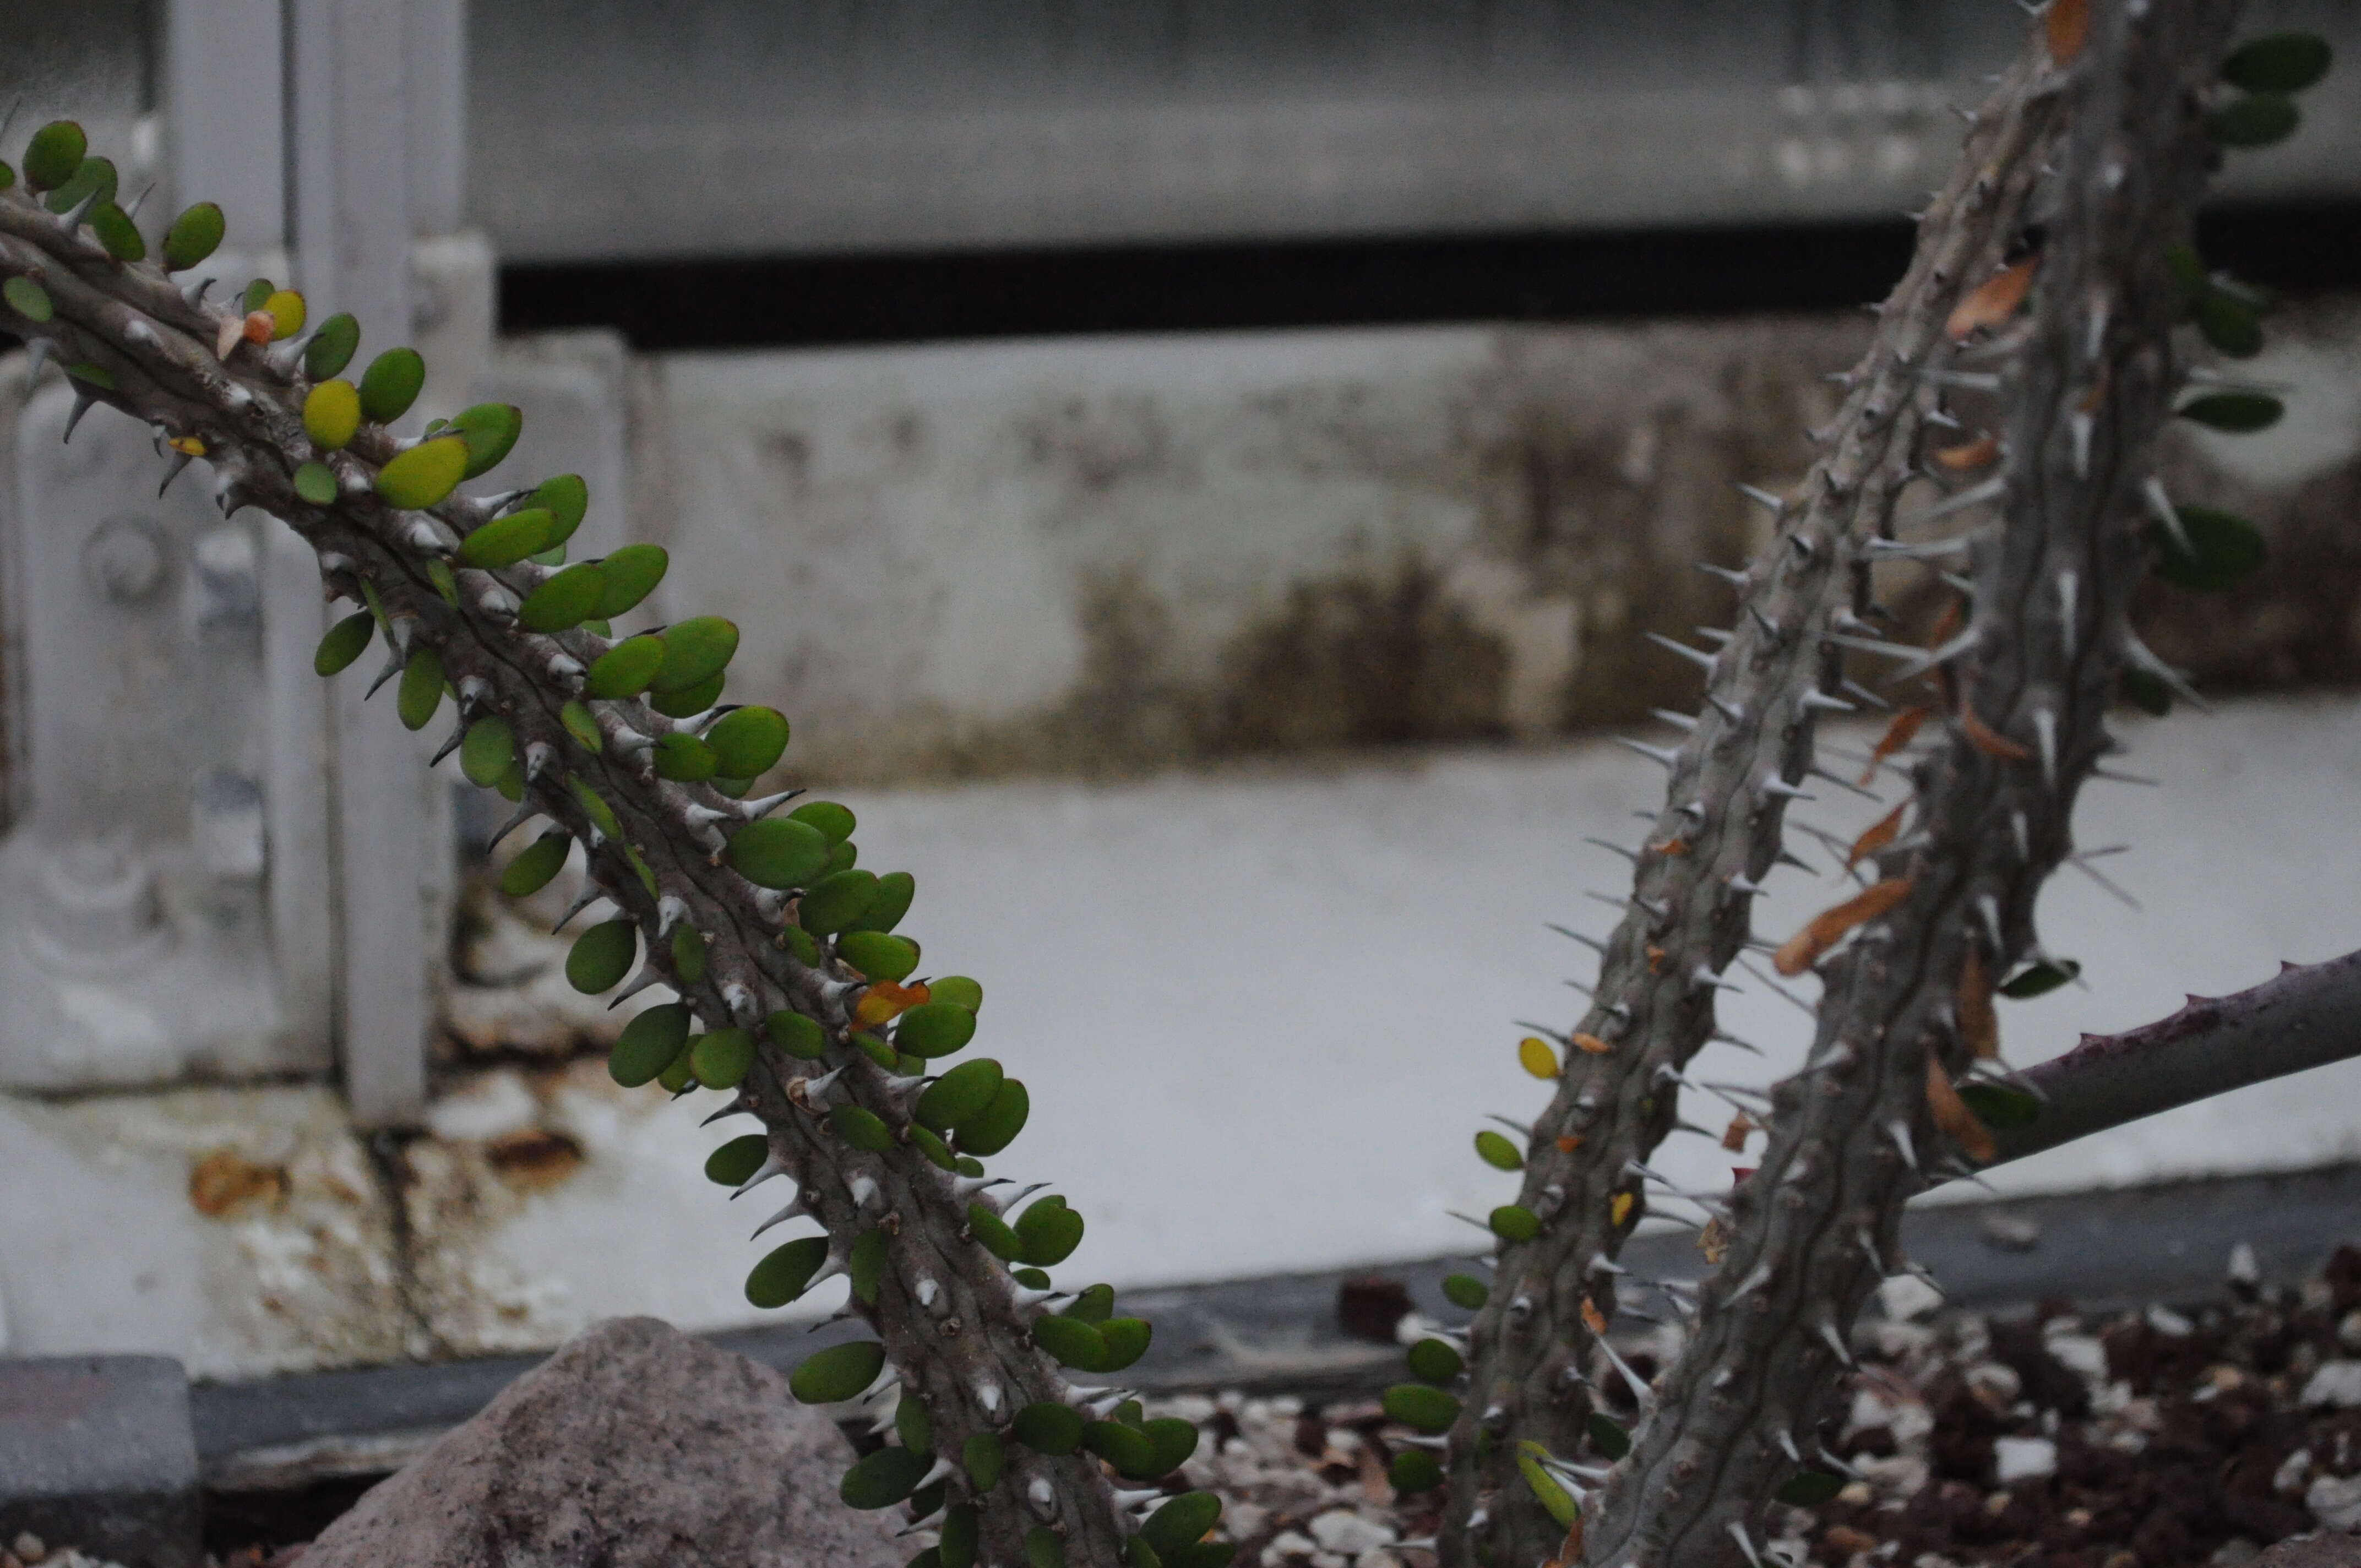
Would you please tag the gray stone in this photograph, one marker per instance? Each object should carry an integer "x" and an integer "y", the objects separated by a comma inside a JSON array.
[
  {"x": 2322, "y": 1548},
  {"x": 96, "y": 1452},
  {"x": 635, "y": 1445}
]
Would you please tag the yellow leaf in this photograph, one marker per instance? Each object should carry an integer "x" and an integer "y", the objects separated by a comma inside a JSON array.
[
  {"x": 285, "y": 310},
  {"x": 1619, "y": 1209},
  {"x": 1535, "y": 1057}
]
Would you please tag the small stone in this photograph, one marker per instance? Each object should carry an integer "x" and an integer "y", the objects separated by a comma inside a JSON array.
[
  {"x": 2169, "y": 1323},
  {"x": 1288, "y": 1544},
  {"x": 27, "y": 1547},
  {"x": 1244, "y": 1521},
  {"x": 2234, "y": 1552},
  {"x": 2009, "y": 1233},
  {"x": 2289, "y": 1478},
  {"x": 2023, "y": 1459},
  {"x": 2349, "y": 1332},
  {"x": 2337, "y": 1383},
  {"x": 1906, "y": 1297},
  {"x": 2079, "y": 1353},
  {"x": 2336, "y": 1502},
  {"x": 1350, "y": 1532}
]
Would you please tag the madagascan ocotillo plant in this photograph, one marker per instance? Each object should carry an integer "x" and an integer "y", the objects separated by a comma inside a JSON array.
[{"x": 800, "y": 995}]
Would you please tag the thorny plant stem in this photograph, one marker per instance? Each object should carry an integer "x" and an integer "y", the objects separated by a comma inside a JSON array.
[
  {"x": 1816, "y": 1227},
  {"x": 945, "y": 1308},
  {"x": 1717, "y": 839}
]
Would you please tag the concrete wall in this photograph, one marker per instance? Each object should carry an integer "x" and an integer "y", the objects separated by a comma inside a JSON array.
[{"x": 1106, "y": 555}]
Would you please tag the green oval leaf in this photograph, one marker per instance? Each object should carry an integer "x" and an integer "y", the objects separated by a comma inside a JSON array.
[
  {"x": 1174, "y": 1440},
  {"x": 1125, "y": 1447},
  {"x": 834, "y": 822},
  {"x": 2225, "y": 549},
  {"x": 195, "y": 235},
  {"x": 2229, "y": 323},
  {"x": 679, "y": 1075},
  {"x": 1809, "y": 1489},
  {"x": 2239, "y": 413},
  {"x": 747, "y": 742},
  {"x": 1608, "y": 1436},
  {"x": 505, "y": 541},
  {"x": 995, "y": 1127},
  {"x": 839, "y": 1373},
  {"x": 27, "y": 299},
  {"x": 786, "y": 1274},
  {"x": 2278, "y": 62},
  {"x": 736, "y": 1160},
  {"x": 420, "y": 691},
  {"x": 934, "y": 1029},
  {"x": 1094, "y": 1305},
  {"x": 959, "y": 1094},
  {"x": 331, "y": 346},
  {"x": 2000, "y": 1107},
  {"x": 625, "y": 670},
  {"x": 2039, "y": 978},
  {"x": 683, "y": 759},
  {"x": 1126, "y": 1341},
  {"x": 487, "y": 749},
  {"x": 883, "y": 1479},
  {"x": 1049, "y": 1231},
  {"x": 1467, "y": 1291},
  {"x": 566, "y": 499},
  {"x": 1414, "y": 1470},
  {"x": 797, "y": 1035},
  {"x": 861, "y": 1129},
  {"x": 117, "y": 234},
  {"x": 391, "y": 383},
  {"x": 1073, "y": 1342},
  {"x": 1181, "y": 1523},
  {"x": 960, "y": 1534},
  {"x": 983, "y": 1455},
  {"x": 315, "y": 483},
  {"x": 54, "y": 154},
  {"x": 490, "y": 432},
  {"x": 633, "y": 573},
  {"x": 696, "y": 651},
  {"x": 1497, "y": 1151},
  {"x": 778, "y": 852},
  {"x": 93, "y": 178},
  {"x": 424, "y": 475},
  {"x": 891, "y": 901},
  {"x": 1433, "y": 1361},
  {"x": 565, "y": 601},
  {"x": 959, "y": 991},
  {"x": 992, "y": 1233},
  {"x": 1047, "y": 1428},
  {"x": 722, "y": 1058},
  {"x": 1555, "y": 1500},
  {"x": 650, "y": 1043},
  {"x": 1421, "y": 1407},
  {"x": 535, "y": 865},
  {"x": 879, "y": 957},
  {"x": 345, "y": 641},
  {"x": 2258, "y": 119},
  {"x": 835, "y": 901},
  {"x": 1512, "y": 1224},
  {"x": 691, "y": 702},
  {"x": 582, "y": 725},
  {"x": 601, "y": 956}
]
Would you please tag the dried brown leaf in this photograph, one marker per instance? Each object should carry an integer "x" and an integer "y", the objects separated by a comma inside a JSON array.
[
  {"x": 1897, "y": 735},
  {"x": 1733, "y": 1137},
  {"x": 1991, "y": 742},
  {"x": 1953, "y": 1117},
  {"x": 1803, "y": 950},
  {"x": 2067, "y": 23},
  {"x": 1881, "y": 833},
  {"x": 1979, "y": 1024},
  {"x": 1967, "y": 455},
  {"x": 1993, "y": 301}
]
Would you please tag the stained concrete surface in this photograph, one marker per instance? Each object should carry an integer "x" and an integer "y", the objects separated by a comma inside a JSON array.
[{"x": 1262, "y": 1011}]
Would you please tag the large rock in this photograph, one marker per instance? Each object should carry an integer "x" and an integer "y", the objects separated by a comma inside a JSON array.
[
  {"x": 2322, "y": 1548},
  {"x": 635, "y": 1445}
]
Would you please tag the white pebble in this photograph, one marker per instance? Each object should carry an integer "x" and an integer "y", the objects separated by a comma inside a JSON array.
[
  {"x": 2023, "y": 1459},
  {"x": 2337, "y": 1383},
  {"x": 2289, "y": 1478},
  {"x": 2169, "y": 1323},
  {"x": 2079, "y": 1353},
  {"x": 1286, "y": 1543},
  {"x": 29, "y": 1547},
  {"x": 1350, "y": 1533},
  {"x": 2337, "y": 1503},
  {"x": 2349, "y": 1332},
  {"x": 1906, "y": 1295}
]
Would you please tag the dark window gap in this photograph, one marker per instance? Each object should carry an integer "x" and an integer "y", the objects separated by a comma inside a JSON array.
[{"x": 816, "y": 301}]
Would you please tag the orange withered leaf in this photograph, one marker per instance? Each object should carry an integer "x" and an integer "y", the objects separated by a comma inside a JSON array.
[
  {"x": 1592, "y": 1318},
  {"x": 1991, "y": 302},
  {"x": 1620, "y": 1209},
  {"x": 884, "y": 1001},
  {"x": 2068, "y": 24},
  {"x": 1591, "y": 1044},
  {"x": 1897, "y": 735},
  {"x": 1951, "y": 1114},
  {"x": 1991, "y": 742},
  {"x": 1568, "y": 1142},
  {"x": 1713, "y": 1241},
  {"x": 1569, "y": 1556},
  {"x": 1967, "y": 455},
  {"x": 1803, "y": 950},
  {"x": 1979, "y": 1024},
  {"x": 259, "y": 326},
  {"x": 1881, "y": 833},
  {"x": 1733, "y": 1137}
]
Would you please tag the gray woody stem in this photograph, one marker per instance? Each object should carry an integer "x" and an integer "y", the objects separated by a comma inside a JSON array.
[
  {"x": 2305, "y": 1017},
  {"x": 1718, "y": 836},
  {"x": 945, "y": 1308},
  {"x": 1815, "y": 1229}
]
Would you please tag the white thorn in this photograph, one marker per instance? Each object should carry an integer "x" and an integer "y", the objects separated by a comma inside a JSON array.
[
  {"x": 2045, "y": 731},
  {"x": 2068, "y": 602}
]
